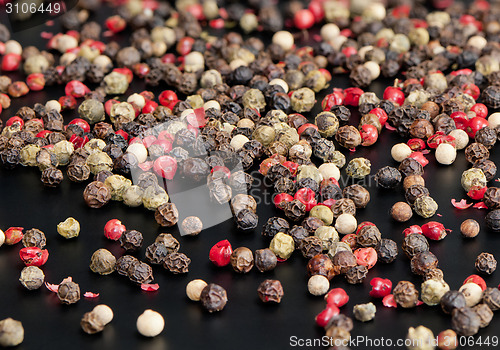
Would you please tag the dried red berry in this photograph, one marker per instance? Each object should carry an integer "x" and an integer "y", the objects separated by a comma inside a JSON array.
[
  {"x": 34, "y": 256},
  {"x": 168, "y": 98},
  {"x": 166, "y": 167},
  {"x": 76, "y": 88},
  {"x": 394, "y": 94},
  {"x": 337, "y": 297},
  {"x": 416, "y": 144},
  {"x": 366, "y": 257},
  {"x": 115, "y": 23},
  {"x": 184, "y": 45},
  {"x": 220, "y": 253},
  {"x": 334, "y": 99},
  {"x": 474, "y": 125},
  {"x": 363, "y": 224},
  {"x": 369, "y": 134},
  {"x": 388, "y": 301},
  {"x": 303, "y": 19},
  {"x": 381, "y": 287},
  {"x": 11, "y": 62},
  {"x": 477, "y": 192},
  {"x": 126, "y": 72},
  {"x": 326, "y": 315},
  {"x": 412, "y": 229},
  {"x": 35, "y": 81},
  {"x": 67, "y": 102},
  {"x": 81, "y": 123},
  {"x": 419, "y": 157},
  {"x": 15, "y": 119},
  {"x": 13, "y": 235},
  {"x": 381, "y": 114},
  {"x": 307, "y": 196},
  {"x": 434, "y": 230},
  {"x": 352, "y": 96},
  {"x": 480, "y": 109},
  {"x": 114, "y": 229}
]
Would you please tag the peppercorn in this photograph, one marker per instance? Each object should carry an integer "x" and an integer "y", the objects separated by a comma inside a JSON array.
[
  {"x": 409, "y": 166},
  {"x": 405, "y": 294},
  {"x": 34, "y": 238},
  {"x": 368, "y": 236},
  {"x": 123, "y": 263},
  {"x": 493, "y": 220},
  {"x": 177, "y": 263},
  {"x": 156, "y": 253},
  {"x": 246, "y": 220},
  {"x": 485, "y": 314},
  {"x": 192, "y": 225},
  {"x": 488, "y": 167},
  {"x": 343, "y": 206},
  {"x": 348, "y": 136},
  {"x": 242, "y": 260},
  {"x": 96, "y": 194},
  {"x": 270, "y": 290},
  {"x": 358, "y": 168},
  {"x": 472, "y": 292},
  {"x": 32, "y": 277},
  {"x": 476, "y": 151},
  {"x": 465, "y": 321},
  {"x": 150, "y": 323},
  {"x": 356, "y": 274},
  {"x": 243, "y": 201},
  {"x": 387, "y": 250},
  {"x": 95, "y": 321},
  {"x": 486, "y": 263},
  {"x": 401, "y": 212},
  {"x": 420, "y": 338},
  {"x": 68, "y": 292},
  {"x": 11, "y": 332},
  {"x": 425, "y": 206},
  {"x": 213, "y": 297},
  {"x": 415, "y": 191},
  {"x": 470, "y": 228},
  {"x": 364, "y": 312},
  {"x": 102, "y": 262},
  {"x": 422, "y": 262},
  {"x": 318, "y": 285},
  {"x": 388, "y": 177},
  {"x": 131, "y": 240},
  {"x": 452, "y": 300},
  {"x": 414, "y": 244},
  {"x": 344, "y": 260},
  {"x": 282, "y": 245},
  {"x": 274, "y": 225},
  {"x": 140, "y": 272},
  {"x": 265, "y": 260},
  {"x": 491, "y": 297}
]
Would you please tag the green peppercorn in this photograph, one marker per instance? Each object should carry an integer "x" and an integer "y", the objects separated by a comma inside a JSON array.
[
  {"x": 69, "y": 228},
  {"x": 28, "y": 155},
  {"x": 153, "y": 197},
  {"x": 92, "y": 111},
  {"x": 327, "y": 123},
  {"x": 99, "y": 161},
  {"x": 358, "y": 168},
  {"x": 132, "y": 196},
  {"x": 309, "y": 171},
  {"x": 254, "y": 98},
  {"x": 315, "y": 80},
  {"x": 117, "y": 185},
  {"x": 322, "y": 212},
  {"x": 264, "y": 134},
  {"x": 473, "y": 177},
  {"x": 303, "y": 100},
  {"x": 328, "y": 235},
  {"x": 115, "y": 83},
  {"x": 63, "y": 151},
  {"x": 425, "y": 206},
  {"x": 282, "y": 245}
]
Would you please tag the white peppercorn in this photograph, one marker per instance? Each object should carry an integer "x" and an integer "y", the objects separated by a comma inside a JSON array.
[
  {"x": 318, "y": 285},
  {"x": 194, "y": 288},
  {"x": 150, "y": 323},
  {"x": 364, "y": 312},
  {"x": 400, "y": 151},
  {"x": 11, "y": 332},
  {"x": 329, "y": 31},
  {"x": 461, "y": 137},
  {"x": 346, "y": 224},
  {"x": 494, "y": 120},
  {"x": 103, "y": 313},
  {"x": 472, "y": 293},
  {"x": 328, "y": 170},
  {"x": 238, "y": 141},
  {"x": 69, "y": 228},
  {"x": 53, "y": 105},
  {"x": 283, "y": 39},
  {"x": 2, "y": 238},
  {"x": 32, "y": 277},
  {"x": 446, "y": 154},
  {"x": 420, "y": 338}
]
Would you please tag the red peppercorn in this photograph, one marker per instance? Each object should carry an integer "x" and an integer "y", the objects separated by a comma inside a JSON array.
[
  {"x": 412, "y": 229},
  {"x": 217, "y": 23},
  {"x": 363, "y": 224},
  {"x": 168, "y": 58},
  {"x": 67, "y": 102},
  {"x": 419, "y": 157},
  {"x": 114, "y": 229},
  {"x": 381, "y": 114},
  {"x": 184, "y": 45},
  {"x": 303, "y": 19},
  {"x": 122, "y": 133},
  {"x": 43, "y": 133},
  {"x": 480, "y": 109},
  {"x": 352, "y": 96},
  {"x": 416, "y": 144},
  {"x": 76, "y": 88},
  {"x": 434, "y": 230},
  {"x": 109, "y": 104},
  {"x": 471, "y": 90},
  {"x": 149, "y": 107},
  {"x": 369, "y": 134},
  {"x": 18, "y": 89},
  {"x": 292, "y": 166},
  {"x": 437, "y": 139},
  {"x": 380, "y": 287},
  {"x": 477, "y": 280},
  {"x": 165, "y": 145},
  {"x": 115, "y": 23},
  {"x": 148, "y": 141},
  {"x": 167, "y": 98},
  {"x": 366, "y": 257},
  {"x": 474, "y": 125},
  {"x": 388, "y": 301},
  {"x": 197, "y": 11},
  {"x": 81, "y": 123},
  {"x": 305, "y": 126},
  {"x": 477, "y": 192},
  {"x": 34, "y": 256},
  {"x": 2, "y": 48},
  {"x": 15, "y": 119},
  {"x": 337, "y": 297},
  {"x": 326, "y": 315},
  {"x": 333, "y": 99},
  {"x": 394, "y": 94},
  {"x": 328, "y": 202},
  {"x": 165, "y": 166},
  {"x": 13, "y": 235},
  {"x": 350, "y": 239},
  {"x": 220, "y": 253},
  {"x": 78, "y": 141},
  {"x": 280, "y": 198},
  {"x": 11, "y": 62},
  {"x": 35, "y": 81},
  {"x": 141, "y": 69},
  {"x": 316, "y": 8},
  {"x": 307, "y": 196},
  {"x": 348, "y": 51}
]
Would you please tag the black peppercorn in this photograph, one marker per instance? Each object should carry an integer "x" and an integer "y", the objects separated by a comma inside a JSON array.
[
  {"x": 167, "y": 215},
  {"x": 213, "y": 297},
  {"x": 168, "y": 241},
  {"x": 388, "y": 177},
  {"x": 493, "y": 220},
  {"x": 246, "y": 220},
  {"x": 177, "y": 263},
  {"x": 486, "y": 136},
  {"x": 68, "y": 292},
  {"x": 140, "y": 272},
  {"x": 96, "y": 194},
  {"x": 51, "y": 177},
  {"x": 156, "y": 253},
  {"x": 274, "y": 225},
  {"x": 123, "y": 263},
  {"x": 270, "y": 290},
  {"x": 422, "y": 262},
  {"x": 414, "y": 244},
  {"x": 369, "y": 236},
  {"x": 343, "y": 206},
  {"x": 476, "y": 151},
  {"x": 488, "y": 167},
  {"x": 242, "y": 260},
  {"x": 465, "y": 321},
  {"x": 491, "y": 297},
  {"x": 415, "y": 191},
  {"x": 405, "y": 294},
  {"x": 294, "y": 210},
  {"x": 310, "y": 246},
  {"x": 344, "y": 260},
  {"x": 358, "y": 194},
  {"x": 348, "y": 136},
  {"x": 356, "y": 274},
  {"x": 265, "y": 260},
  {"x": 131, "y": 240},
  {"x": 409, "y": 166},
  {"x": 387, "y": 250},
  {"x": 486, "y": 263},
  {"x": 492, "y": 198},
  {"x": 452, "y": 300}
]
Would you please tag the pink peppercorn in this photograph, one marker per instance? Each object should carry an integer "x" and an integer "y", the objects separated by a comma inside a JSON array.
[
  {"x": 220, "y": 253},
  {"x": 114, "y": 229},
  {"x": 76, "y": 88}
]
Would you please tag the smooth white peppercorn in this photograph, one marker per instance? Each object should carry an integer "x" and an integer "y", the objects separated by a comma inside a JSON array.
[
  {"x": 446, "y": 154},
  {"x": 103, "y": 62},
  {"x": 194, "y": 288},
  {"x": 281, "y": 83},
  {"x": 211, "y": 104},
  {"x": 477, "y": 41},
  {"x": 318, "y": 285},
  {"x": 150, "y": 323},
  {"x": 494, "y": 120},
  {"x": 67, "y": 58},
  {"x": 346, "y": 224},
  {"x": 283, "y": 39},
  {"x": 461, "y": 137},
  {"x": 329, "y": 31},
  {"x": 139, "y": 151},
  {"x": 238, "y": 141},
  {"x": 53, "y": 105},
  {"x": 328, "y": 170},
  {"x": 103, "y": 313},
  {"x": 12, "y": 46},
  {"x": 137, "y": 99},
  {"x": 472, "y": 293},
  {"x": 2, "y": 238},
  {"x": 400, "y": 151},
  {"x": 374, "y": 69}
]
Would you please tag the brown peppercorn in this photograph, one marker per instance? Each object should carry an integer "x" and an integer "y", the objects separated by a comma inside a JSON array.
[
  {"x": 492, "y": 198},
  {"x": 358, "y": 194},
  {"x": 433, "y": 273},
  {"x": 242, "y": 260},
  {"x": 485, "y": 314},
  {"x": 265, "y": 260},
  {"x": 168, "y": 241},
  {"x": 123, "y": 263},
  {"x": 311, "y": 224},
  {"x": 422, "y": 129},
  {"x": 310, "y": 246},
  {"x": 368, "y": 236},
  {"x": 102, "y": 262},
  {"x": 131, "y": 240},
  {"x": 213, "y": 297},
  {"x": 452, "y": 300},
  {"x": 409, "y": 166},
  {"x": 491, "y": 297},
  {"x": 270, "y": 290},
  {"x": 68, "y": 292},
  {"x": 298, "y": 233},
  {"x": 447, "y": 340},
  {"x": 405, "y": 294},
  {"x": 465, "y": 321},
  {"x": 356, "y": 274},
  {"x": 91, "y": 323},
  {"x": 488, "y": 167},
  {"x": 96, "y": 194},
  {"x": 294, "y": 210},
  {"x": 486, "y": 136},
  {"x": 401, "y": 212},
  {"x": 322, "y": 265},
  {"x": 177, "y": 263},
  {"x": 78, "y": 172},
  {"x": 344, "y": 260},
  {"x": 431, "y": 107},
  {"x": 34, "y": 238},
  {"x": 51, "y": 177},
  {"x": 476, "y": 151},
  {"x": 423, "y": 262},
  {"x": 415, "y": 191},
  {"x": 486, "y": 263},
  {"x": 387, "y": 250},
  {"x": 338, "y": 335},
  {"x": 140, "y": 272},
  {"x": 167, "y": 215},
  {"x": 414, "y": 244},
  {"x": 343, "y": 206},
  {"x": 470, "y": 228},
  {"x": 156, "y": 253},
  {"x": 348, "y": 136}
]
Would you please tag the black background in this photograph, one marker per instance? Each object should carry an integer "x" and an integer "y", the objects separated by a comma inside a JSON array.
[{"x": 245, "y": 323}]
